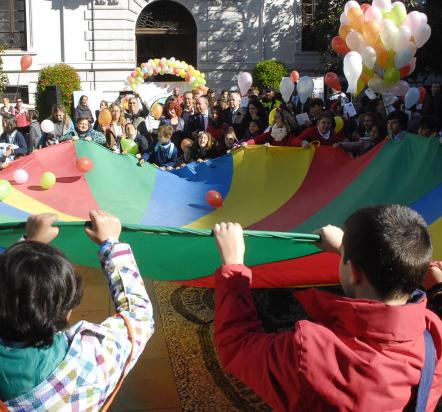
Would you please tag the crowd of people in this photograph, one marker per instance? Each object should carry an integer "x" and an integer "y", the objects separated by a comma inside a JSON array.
[
  {"x": 380, "y": 337},
  {"x": 197, "y": 125}
]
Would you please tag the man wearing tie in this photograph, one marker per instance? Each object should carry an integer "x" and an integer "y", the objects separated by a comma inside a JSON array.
[
  {"x": 199, "y": 121},
  {"x": 233, "y": 115}
]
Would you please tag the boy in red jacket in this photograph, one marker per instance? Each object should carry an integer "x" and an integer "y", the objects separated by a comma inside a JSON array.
[{"x": 363, "y": 352}]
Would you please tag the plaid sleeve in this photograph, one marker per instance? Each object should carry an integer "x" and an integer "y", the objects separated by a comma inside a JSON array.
[{"x": 129, "y": 296}]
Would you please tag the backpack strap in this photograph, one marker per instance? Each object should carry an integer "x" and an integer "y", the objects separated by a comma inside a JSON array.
[
  {"x": 128, "y": 361},
  {"x": 423, "y": 389}
]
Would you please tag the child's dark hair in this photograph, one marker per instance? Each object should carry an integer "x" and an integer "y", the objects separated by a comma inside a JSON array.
[
  {"x": 400, "y": 116},
  {"x": 391, "y": 245},
  {"x": 38, "y": 287}
]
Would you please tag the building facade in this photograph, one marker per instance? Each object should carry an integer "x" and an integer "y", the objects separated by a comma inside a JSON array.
[{"x": 105, "y": 39}]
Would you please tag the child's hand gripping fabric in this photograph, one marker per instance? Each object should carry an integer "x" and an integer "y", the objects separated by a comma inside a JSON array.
[
  {"x": 39, "y": 228},
  {"x": 230, "y": 242}
]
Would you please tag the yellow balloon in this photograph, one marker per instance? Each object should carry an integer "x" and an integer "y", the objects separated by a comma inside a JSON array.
[
  {"x": 272, "y": 117},
  {"x": 344, "y": 30},
  {"x": 370, "y": 31},
  {"x": 339, "y": 123}
]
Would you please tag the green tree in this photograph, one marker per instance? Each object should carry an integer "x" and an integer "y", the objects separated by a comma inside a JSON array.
[
  {"x": 3, "y": 78},
  {"x": 62, "y": 75},
  {"x": 269, "y": 73}
]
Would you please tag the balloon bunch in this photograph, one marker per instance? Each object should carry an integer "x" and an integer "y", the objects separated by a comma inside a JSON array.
[
  {"x": 379, "y": 42},
  {"x": 166, "y": 66}
]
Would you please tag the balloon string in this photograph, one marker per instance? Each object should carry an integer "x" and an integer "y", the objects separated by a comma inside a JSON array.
[{"x": 18, "y": 83}]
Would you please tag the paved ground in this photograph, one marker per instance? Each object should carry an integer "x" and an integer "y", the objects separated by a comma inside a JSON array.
[{"x": 150, "y": 387}]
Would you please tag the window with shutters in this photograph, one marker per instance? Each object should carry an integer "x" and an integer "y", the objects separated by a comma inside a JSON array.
[{"x": 13, "y": 24}]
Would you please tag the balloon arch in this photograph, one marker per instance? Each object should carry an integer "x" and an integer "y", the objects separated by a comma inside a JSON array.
[{"x": 171, "y": 66}]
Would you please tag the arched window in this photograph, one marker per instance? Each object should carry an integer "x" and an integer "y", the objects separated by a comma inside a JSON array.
[
  {"x": 166, "y": 29},
  {"x": 13, "y": 24}
]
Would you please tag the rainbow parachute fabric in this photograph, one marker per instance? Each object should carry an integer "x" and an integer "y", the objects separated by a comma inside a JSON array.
[{"x": 277, "y": 193}]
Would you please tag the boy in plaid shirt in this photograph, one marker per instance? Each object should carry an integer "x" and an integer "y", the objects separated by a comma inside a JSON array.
[{"x": 46, "y": 368}]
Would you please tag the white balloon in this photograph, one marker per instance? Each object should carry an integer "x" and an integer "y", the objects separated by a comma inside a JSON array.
[
  {"x": 422, "y": 35},
  {"x": 352, "y": 70},
  {"x": 47, "y": 126},
  {"x": 286, "y": 88},
  {"x": 355, "y": 41},
  {"x": 382, "y": 4},
  {"x": 373, "y": 13},
  {"x": 349, "y": 5},
  {"x": 343, "y": 18},
  {"x": 245, "y": 81},
  {"x": 424, "y": 19},
  {"x": 414, "y": 20},
  {"x": 404, "y": 36},
  {"x": 389, "y": 34},
  {"x": 369, "y": 57},
  {"x": 305, "y": 88}
]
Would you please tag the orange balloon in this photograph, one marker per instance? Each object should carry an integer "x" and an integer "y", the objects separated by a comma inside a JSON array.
[
  {"x": 370, "y": 31},
  {"x": 365, "y": 77},
  {"x": 332, "y": 80},
  {"x": 381, "y": 54},
  {"x": 355, "y": 18},
  {"x": 339, "y": 46},
  {"x": 156, "y": 111},
  {"x": 343, "y": 31},
  {"x": 25, "y": 62},
  {"x": 105, "y": 118}
]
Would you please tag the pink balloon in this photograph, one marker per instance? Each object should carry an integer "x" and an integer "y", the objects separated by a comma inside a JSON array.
[
  {"x": 373, "y": 13},
  {"x": 400, "y": 89},
  {"x": 20, "y": 176},
  {"x": 245, "y": 82}
]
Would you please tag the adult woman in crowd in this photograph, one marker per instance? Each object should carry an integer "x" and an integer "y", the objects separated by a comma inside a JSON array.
[
  {"x": 172, "y": 117},
  {"x": 15, "y": 142},
  {"x": 257, "y": 113},
  {"x": 82, "y": 110},
  {"x": 63, "y": 125},
  {"x": 223, "y": 100},
  {"x": 118, "y": 121}
]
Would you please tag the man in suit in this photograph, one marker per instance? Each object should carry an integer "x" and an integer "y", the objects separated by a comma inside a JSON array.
[
  {"x": 233, "y": 115},
  {"x": 199, "y": 121}
]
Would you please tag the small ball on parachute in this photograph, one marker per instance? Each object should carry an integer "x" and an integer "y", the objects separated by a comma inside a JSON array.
[
  {"x": 214, "y": 198},
  {"x": 20, "y": 176},
  {"x": 47, "y": 180},
  {"x": 47, "y": 126},
  {"x": 84, "y": 164}
]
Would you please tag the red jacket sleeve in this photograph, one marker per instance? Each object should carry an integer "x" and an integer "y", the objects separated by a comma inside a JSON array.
[
  {"x": 268, "y": 363},
  {"x": 261, "y": 139}
]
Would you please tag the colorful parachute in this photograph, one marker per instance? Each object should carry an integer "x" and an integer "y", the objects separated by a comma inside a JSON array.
[{"x": 167, "y": 220}]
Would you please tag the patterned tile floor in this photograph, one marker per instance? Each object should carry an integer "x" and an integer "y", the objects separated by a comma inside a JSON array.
[{"x": 150, "y": 386}]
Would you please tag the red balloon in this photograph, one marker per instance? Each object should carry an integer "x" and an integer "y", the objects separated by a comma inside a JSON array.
[
  {"x": 405, "y": 71},
  {"x": 294, "y": 75},
  {"x": 214, "y": 198},
  {"x": 25, "y": 62},
  {"x": 332, "y": 80},
  {"x": 422, "y": 94},
  {"x": 339, "y": 46},
  {"x": 85, "y": 164}
]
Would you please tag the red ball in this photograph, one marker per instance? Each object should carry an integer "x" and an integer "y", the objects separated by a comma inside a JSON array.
[
  {"x": 85, "y": 164},
  {"x": 214, "y": 198}
]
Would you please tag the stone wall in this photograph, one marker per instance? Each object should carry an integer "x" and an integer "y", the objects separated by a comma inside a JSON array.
[{"x": 98, "y": 38}]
